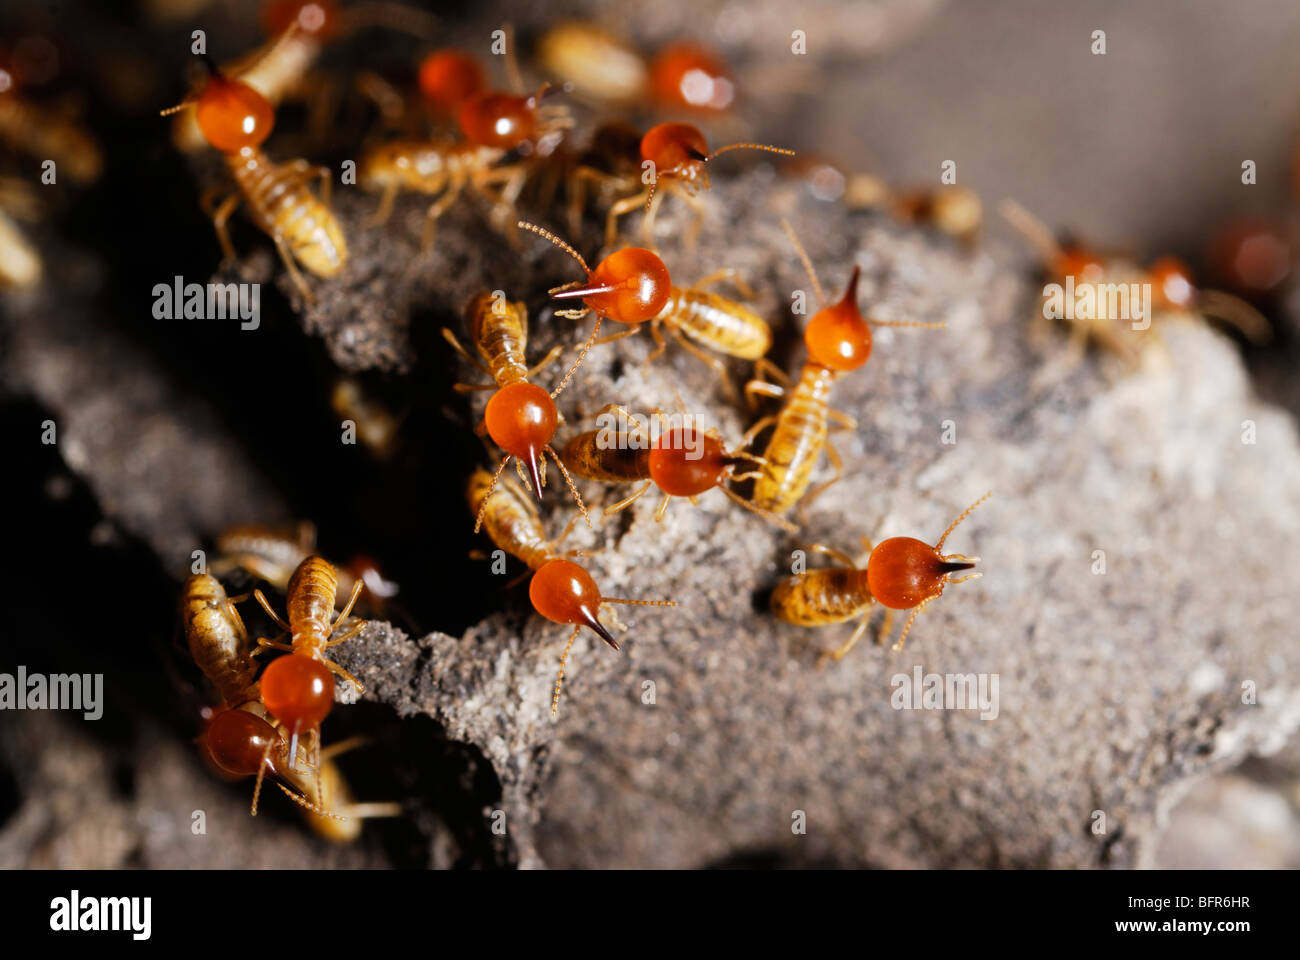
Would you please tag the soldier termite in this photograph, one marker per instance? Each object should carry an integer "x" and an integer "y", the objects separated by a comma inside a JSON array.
[
  {"x": 242, "y": 739},
  {"x": 298, "y": 688},
  {"x": 838, "y": 340},
  {"x": 681, "y": 462},
  {"x": 678, "y": 156},
  {"x": 902, "y": 573},
  {"x": 563, "y": 592},
  {"x": 236, "y": 119},
  {"x": 520, "y": 417},
  {"x": 1104, "y": 288}
]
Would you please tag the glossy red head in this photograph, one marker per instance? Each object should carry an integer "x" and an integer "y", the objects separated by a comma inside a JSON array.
[
  {"x": 502, "y": 120},
  {"x": 676, "y": 150},
  {"x": 633, "y": 286},
  {"x": 449, "y": 77},
  {"x": 1253, "y": 256},
  {"x": 903, "y": 572},
  {"x": 233, "y": 115},
  {"x": 690, "y": 76},
  {"x": 521, "y": 419},
  {"x": 563, "y": 592},
  {"x": 298, "y": 690},
  {"x": 236, "y": 741},
  {"x": 837, "y": 337},
  {"x": 686, "y": 462},
  {"x": 1080, "y": 263}
]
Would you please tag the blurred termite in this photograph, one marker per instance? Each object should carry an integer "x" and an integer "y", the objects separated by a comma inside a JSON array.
[
  {"x": 1253, "y": 256},
  {"x": 299, "y": 31},
  {"x": 47, "y": 132},
  {"x": 298, "y": 688},
  {"x": 520, "y": 417},
  {"x": 504, "y": 134},
  {"x": 563, "y": 592},
  {"x": 902, "y": 573},
  {"x": 236, "y": 119},
  {"x": 242, "y": 739},
  {"x": 680, "y": 462},
  {"x": 274, "y": 553},
  {"x": 1106, "y": 304},
  {"x": 838, "y": 339},
  {"x": 674, "y": 159},
  {"x": 20, "y": 263},
  {"x": 377, "y": 427}
]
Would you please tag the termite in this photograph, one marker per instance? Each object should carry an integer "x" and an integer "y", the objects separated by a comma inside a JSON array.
[
  {"x": 902, "y": 573},
  {"x": 448, "y": 77},
  {"x": 511, "y": 520},
  {"x": 675, "y": 156},
  {"x": 563, "y": 592},
  {"x": 236, "y": 119},
  {"x": 689, "y": 76},
  {"x": 298, "y": 688},
  {"x": 838, "y": 339},
  {"x": 47, "y": 133},
  {"x": 273, "y": 554},
  {"x": 1103, "y": 277},
  {"x": 681, "y": 462},
  {"x": 242, "y": 739},
  {"x": 951, "y": 209},
  {"x": 494, "y": 125},
  {"x": 377, "y": 425},
  {"x": 520, "y": 417},
  {"x": 600, "y": 66}
]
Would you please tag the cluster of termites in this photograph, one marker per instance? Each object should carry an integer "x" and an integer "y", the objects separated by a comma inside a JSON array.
[{"x": 474, "y": 140}]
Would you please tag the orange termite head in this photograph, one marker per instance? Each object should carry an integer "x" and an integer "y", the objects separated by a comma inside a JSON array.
[
  {"x": 232, "y": 115},
  {"x": 904, "y": 572},
  {"x": 316, "y": 18},
  {"x": 563, "y": 592},
  {"x": 521, "y": 419},
  {"x": 837, "y": 336},
  {"x": 236, "y": 741},
  {"x": 1078, "y": 262},
  {"x": 367, "y": 570},
  {"x": 685, "y": 462},
  {"x": 1252, "y": 256},
  {"x": 448, "y": 77},
  {"x": 691, "y": 76},
  {"x": 630, "y": 285},
  {"x": 503, "y": 120},
  {"x": 1172, "y": 284},
  {"x": 676, "y": 150},
  {"x": 298, "y": 690}
]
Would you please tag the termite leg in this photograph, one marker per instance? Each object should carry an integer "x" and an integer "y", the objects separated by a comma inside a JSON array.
[
  {"x": 718, "y": 366},
  {"x": 837, "y": 465},
  {"x": 628, "y": 501},
  {"x": 848, "y": 644},
  {"x": 360, "y": 687},
  {"x": 764, "y": 367},
  {"x": 663, "y": 507},
  {"x": 347, "y": 636},
  {"x": 839, "y": 556},
  {"x": 219, "y": 221},
  {"x": 886, "y": 627},
  {"x": 273, "y": 645},
  {"x": 436, "y": 210},
  {"x": 618, "y": 209},
  {"x": 385, "y": 208},
  {"x": 730, "y": 275},
  {"x": 622, "y": 334},
  {"x": 260, "y": 597},
  {"x": 357, "y": 587},
  {"x": 545, "y": 362},
  {"x": 292, "y": 267},
  {"x": 748, "y": 439}
]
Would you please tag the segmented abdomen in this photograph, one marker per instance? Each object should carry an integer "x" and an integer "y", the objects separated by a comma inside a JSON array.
[
  {"x": 216, "y": 643},
  {"x": 796, "y": 442},
  {"x": 718, "y": 323},
  {"x": 599, "y": 455},
  {"x": 500, "y": 331},
  {"x": 822, "y": 596},
  {"x": 283, "y": 206},
  {"x": 511, "y": 520},
  {"x": 312, "y": 589}
]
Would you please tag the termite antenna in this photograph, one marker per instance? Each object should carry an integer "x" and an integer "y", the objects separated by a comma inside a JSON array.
[
  {"x": 918, "y": 324},
  {"x": 1239, "y": 313},
  {"x": 546, "y": 234},
  {"x": 569, "y": 481},
  {"x": 639, "y": 603},
  {"x": 767, "y": 515},
  {"x": 261, "y": 773},
  {"x": 953, "y": 525},
  {"x": 308, "y": 805},
  {"x": 1034, "y": 230},
  {"x": 807, "y": 262},
  {"x": 478, "y": 521},
  {"x": 559, "y": 678},
  {"x": 654, "y": 184},
  {"x": 765, "y": 147},
  {"x": 908, "y": 626},
  {"x": 586, "y": 347}
]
